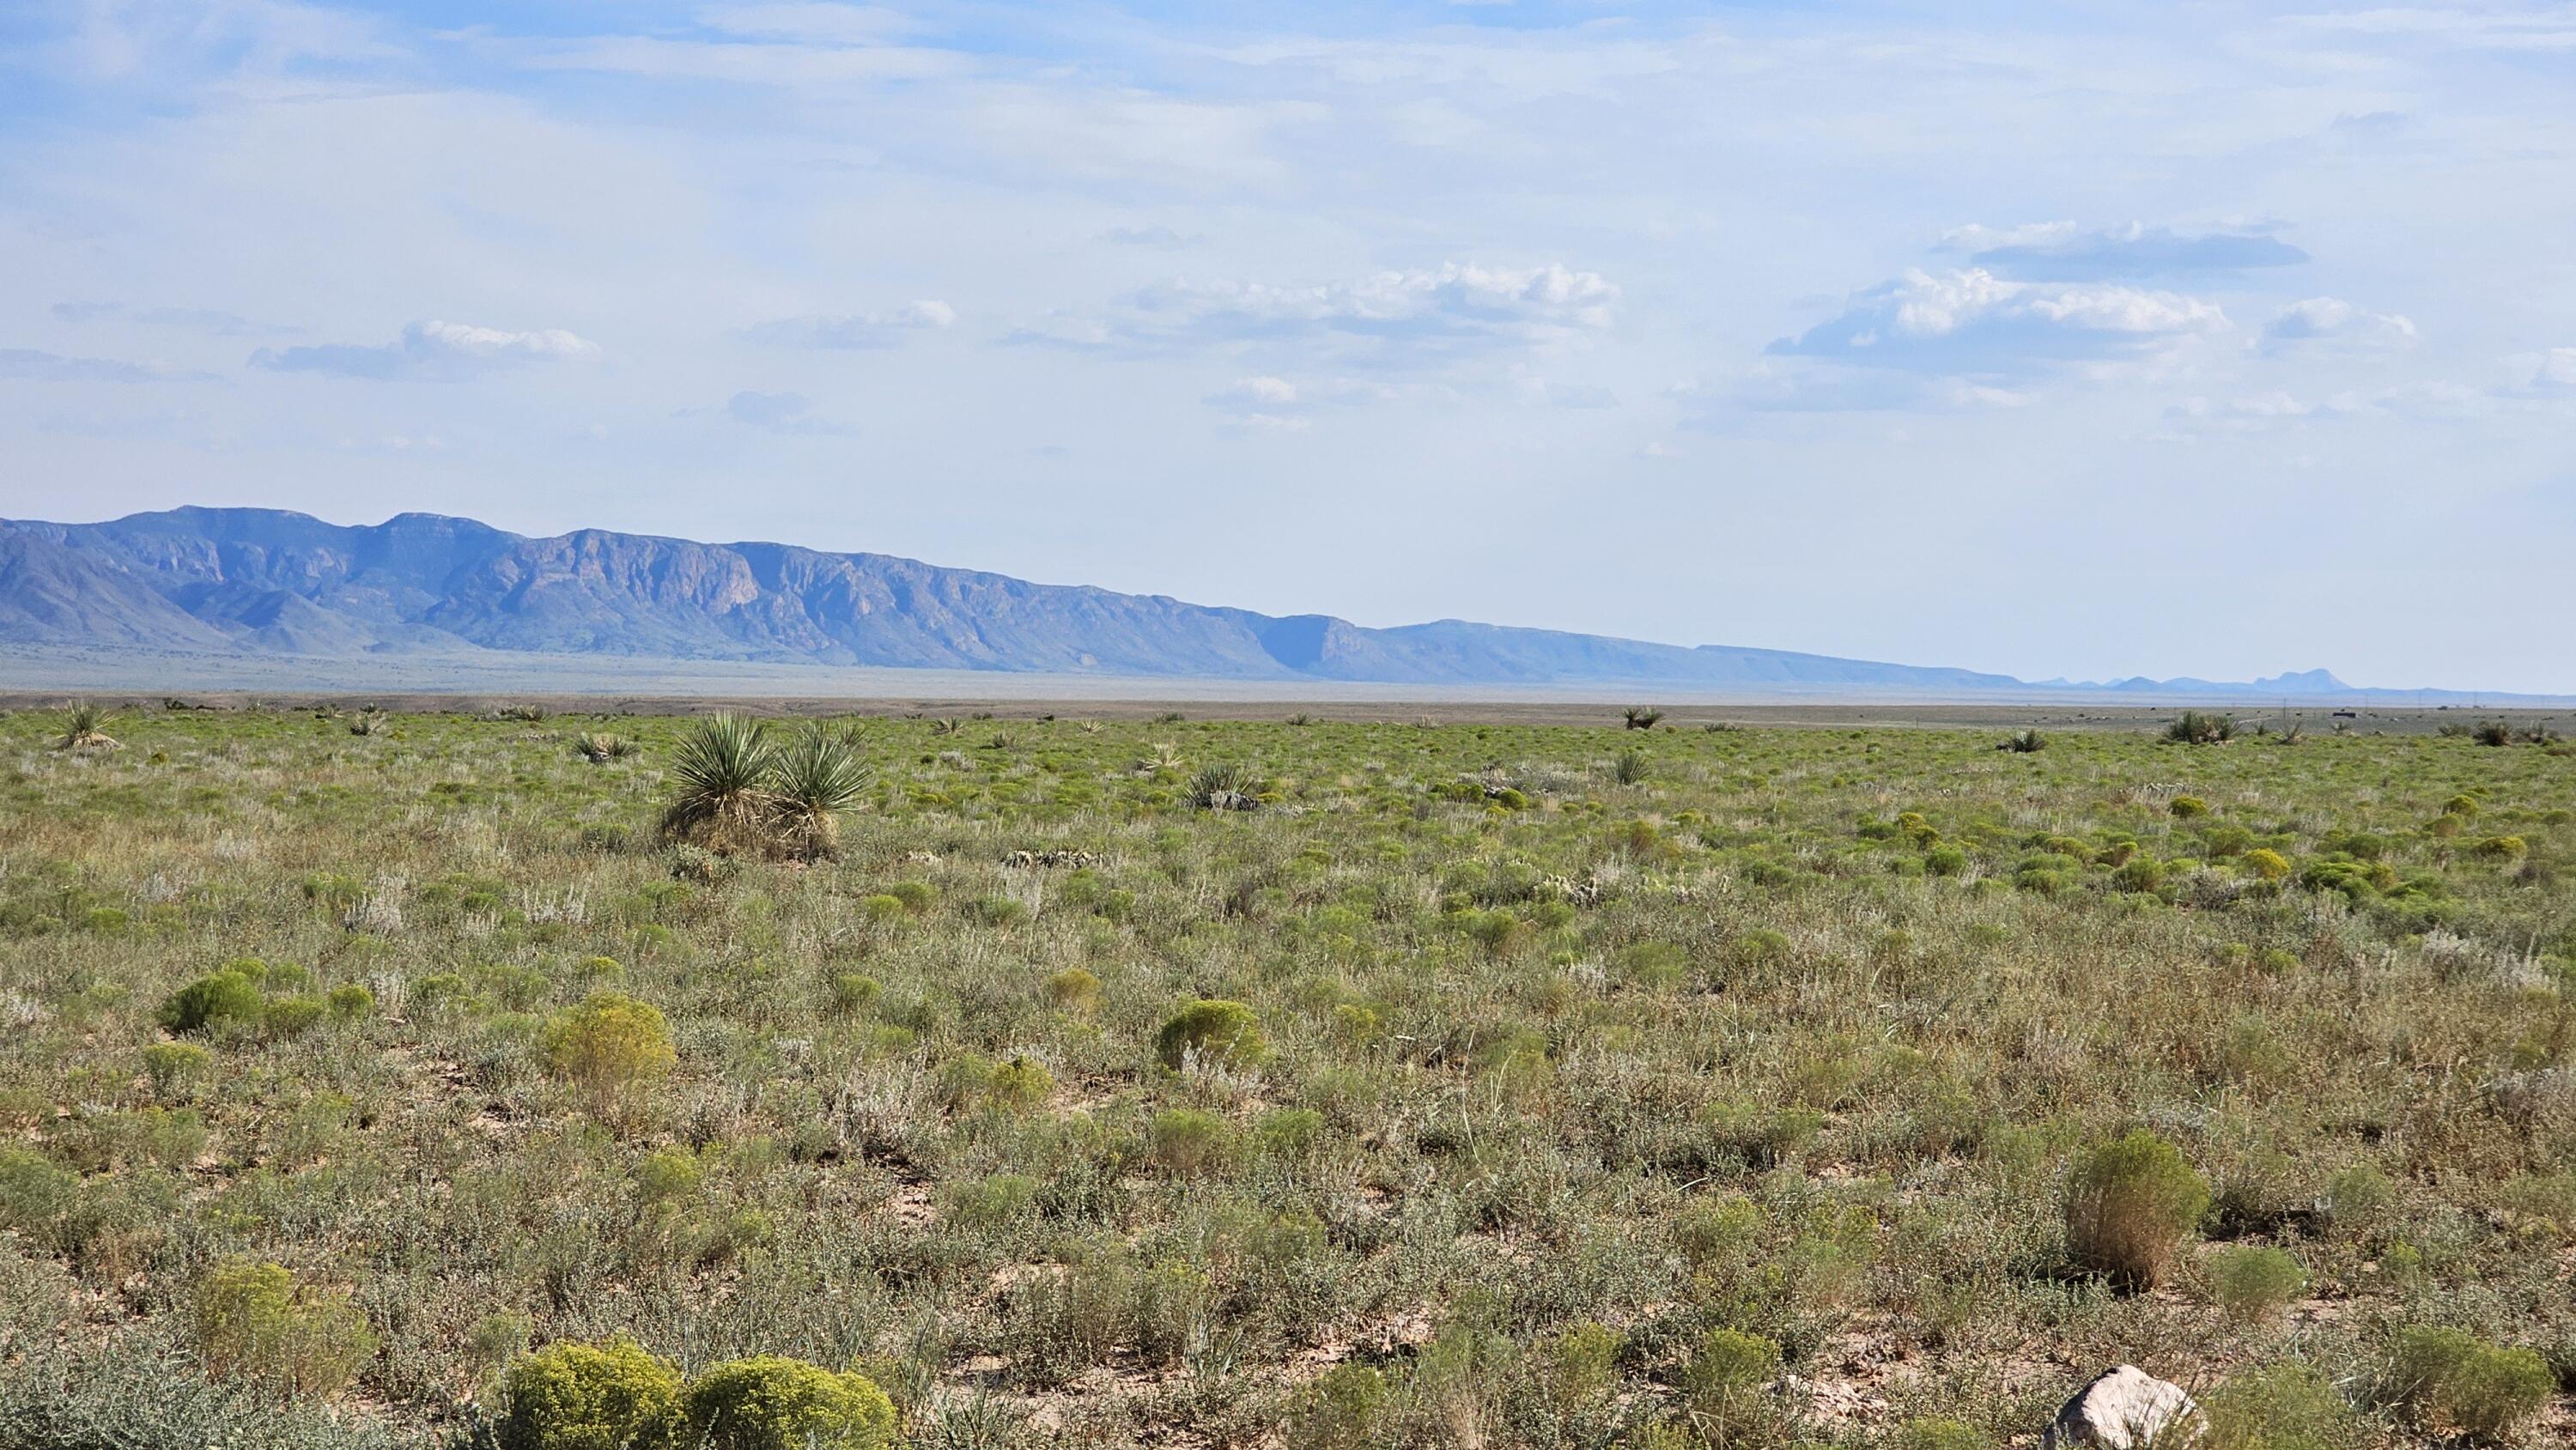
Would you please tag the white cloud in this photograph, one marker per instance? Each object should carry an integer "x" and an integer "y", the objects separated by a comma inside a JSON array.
[
  {"x": 2063, "y": 251},
  {"x": 860, "y": 330},
  {"x": 2556, "y": 370},
  {"x": 432, "y": 349},
  {"x": 1454, "y": 306},
  {"x": 1972, "y": 323},
  {"x": 2331, "y": 321}
]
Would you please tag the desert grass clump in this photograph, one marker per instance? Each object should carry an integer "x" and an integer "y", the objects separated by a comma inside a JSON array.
[
  {"x": 2129, "y": 1203},
  {"x": 2450, "y": 1382},
  {"x": 370, "y": 721},
  {"x": 253, "y": 1321},
  {"x": 84, "y": 727},
  {"x": 2201, "y": 727},
  {"x": 573, "y": 1396},
  {"x": 773, "y": 1403}
]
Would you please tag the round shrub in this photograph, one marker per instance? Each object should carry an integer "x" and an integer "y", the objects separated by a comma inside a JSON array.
[
  {"x": 218, "y": 997},
  {"x": 2451, "y": 1382},
  {"x": 610, "y": 1042},
  {"x": 570, "y": 1396},
  {"x": 2253, "y": 1283},
  {"x": 1187, "y": 1141},
  {"x": 2128, "y": 1204},
  {"x": 253, "y": 1322},
  {"x": 772, "y": 1403},
  {"x": 2265, "y": 864},
  {"x": 2283, "y": 1407},
  {"x": 286, "y": 1017},
  {"x": 1211, "y": 1030}
]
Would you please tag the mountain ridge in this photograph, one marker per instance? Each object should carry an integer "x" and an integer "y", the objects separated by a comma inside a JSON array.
[{"x": 271, "y": 582}]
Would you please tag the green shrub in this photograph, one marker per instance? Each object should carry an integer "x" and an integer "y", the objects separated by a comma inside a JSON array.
[
  {"x": 285, "y": 1017},
  {"x": 2196, "y": 727},
  {"x": 174, "y": 1066},
  {"x": 570, "y": 1396},
  {"x": 2265, "y": 864},
  {"x": 1020, "y": 1085},
  {"x": 917, "y": 896},
  {"x": 252, "y": 1321},
  {"x": 2252, "y": 1283},
  {"x": 1341, "y": 1411},
  {"x": 37, "y": 1195},
  {"x": 2283, "y": 1407},
  {"x": 772, "y": 1403},
  {"x": 1938, "y": 1432},
  {"x": 1211, "y": 1030},
  {"x": 2128, "y": 1204},
  {"x": 211, "y": 1000},
  {"x": 2451, "y": 1382},
  {"x": 609, "y": 1043},
  {"x": 350, "y": 1001},
  {"x": 2185, "y": 807},
  {"x": 854, "y": 993},
  {"x": 1187, "y": 1141},
  {"x": 1728, "y": 1374},
  {"x": 2141, "y": 874},
  {"x": 1074, "y": 990}
]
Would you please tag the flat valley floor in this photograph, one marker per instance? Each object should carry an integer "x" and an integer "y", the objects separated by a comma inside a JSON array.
[{"x": 1328, "y": 1074}]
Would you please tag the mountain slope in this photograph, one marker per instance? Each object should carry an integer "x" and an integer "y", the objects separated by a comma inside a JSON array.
[{"x": 268, "y": 582}]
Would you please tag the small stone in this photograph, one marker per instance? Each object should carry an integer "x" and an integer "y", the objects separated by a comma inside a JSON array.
[{"x": 2124, "y": 1409}]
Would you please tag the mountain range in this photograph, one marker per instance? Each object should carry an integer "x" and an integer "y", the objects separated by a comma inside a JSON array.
[{"x": 267, "y": 583}]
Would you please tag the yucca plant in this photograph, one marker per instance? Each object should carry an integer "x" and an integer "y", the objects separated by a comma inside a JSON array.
[
  {"x": 1225, "y": 787},
  {"x": 2024, "y": 742},
  {"x": 367, "y": 722},
  {"x": 820, "y": 778},
  {"x": 724, "y": 767},
  {"x": 84, "y": 728},
  {"x": 599, "y": 749},
  {"x": 1642, "y": 717}
]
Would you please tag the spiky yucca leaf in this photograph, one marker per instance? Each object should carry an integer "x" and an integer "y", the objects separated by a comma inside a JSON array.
[
  {"x": 820, "y": 778},
  {"x": 723, "y": 768},
  {"x": 84, "y": 728}
]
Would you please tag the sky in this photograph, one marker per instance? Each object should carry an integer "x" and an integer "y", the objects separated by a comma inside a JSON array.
[{"x": 2063, "y": 341}]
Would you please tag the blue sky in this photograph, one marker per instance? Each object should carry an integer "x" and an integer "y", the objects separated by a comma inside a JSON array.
[{"x": 2060, "y": 340}]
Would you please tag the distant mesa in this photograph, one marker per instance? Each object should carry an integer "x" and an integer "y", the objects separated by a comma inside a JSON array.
[{"x": 268, "y": 584}]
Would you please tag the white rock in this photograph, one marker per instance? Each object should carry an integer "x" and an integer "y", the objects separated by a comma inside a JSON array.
[{"x": 2125, "y": 1409}]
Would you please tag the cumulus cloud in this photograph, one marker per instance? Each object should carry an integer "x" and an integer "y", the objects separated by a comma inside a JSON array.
[
  {"x": 431, "y": 349},
  {"x": 29, "y": 365},
  {"x": 2331, "y": 321},
  {"x": 1973, "y": 323},
  {"x": 1455, "y": 305},
  {"x": 860, "y": 330},
  {"x": 2065, "y": 252}
]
